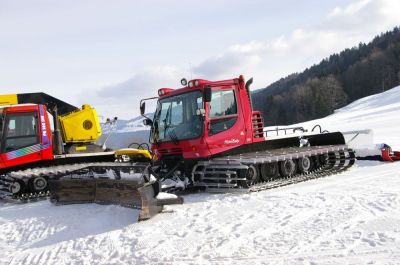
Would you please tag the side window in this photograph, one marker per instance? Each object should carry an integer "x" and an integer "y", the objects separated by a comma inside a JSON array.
[
  {"x": 21, "y": 131},
  {"x": 222, "y": 111},
  {"x": 222, "y": 103}
]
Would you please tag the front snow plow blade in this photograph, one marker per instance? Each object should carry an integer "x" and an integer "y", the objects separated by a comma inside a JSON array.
[{"x": 133, "y": 191}]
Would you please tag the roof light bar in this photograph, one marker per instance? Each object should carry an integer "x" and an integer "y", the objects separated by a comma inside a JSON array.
[
  {"x": 193, "y": 83},
  {"x": 164, "y": 91}
]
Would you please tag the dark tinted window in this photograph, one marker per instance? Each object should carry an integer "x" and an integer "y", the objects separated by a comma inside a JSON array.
[{"x": 220, "y": 125}]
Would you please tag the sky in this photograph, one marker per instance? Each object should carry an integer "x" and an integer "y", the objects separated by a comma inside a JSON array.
[{"x": 111, "y": 54}]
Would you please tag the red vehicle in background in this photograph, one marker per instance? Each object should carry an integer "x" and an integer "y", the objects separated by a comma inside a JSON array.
[
  {"x": 25, "y": 134},
  {"x": 27, "y": 141}
]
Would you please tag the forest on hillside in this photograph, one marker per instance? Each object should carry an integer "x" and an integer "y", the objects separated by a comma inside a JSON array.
[{"x": 333, "y": 83}]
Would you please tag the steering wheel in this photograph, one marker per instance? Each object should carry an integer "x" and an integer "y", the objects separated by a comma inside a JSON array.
[
  {"x": 134, "y": 145},
  {"x": 144, "y": 146}
]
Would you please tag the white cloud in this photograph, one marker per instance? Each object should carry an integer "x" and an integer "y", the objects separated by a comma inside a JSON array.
[
  {"x": 270, "y": 60},
  {"x": 227, "y": 63},
  {"x": 364, "y": 16},
  {"x": 143, "y": 82},
  {"x": 123, "y": 99},
  {"x": 351, "y": 9},
  {"x": 266, "y": 60}
]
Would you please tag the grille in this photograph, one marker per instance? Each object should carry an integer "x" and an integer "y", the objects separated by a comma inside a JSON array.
[{"x": 170, "y": 151}]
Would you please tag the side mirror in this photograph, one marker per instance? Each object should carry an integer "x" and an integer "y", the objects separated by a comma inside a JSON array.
[
  {"x": 147, "y": 122},
  {"x": 142, "y": 108},
  {"x": 207, "y": 94}
]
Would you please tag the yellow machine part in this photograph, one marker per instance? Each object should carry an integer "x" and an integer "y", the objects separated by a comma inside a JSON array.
[
  {"x": 81, "y": 126},
  {"x": 8, "y": 99},
  {"x": 134, "y": 154}
]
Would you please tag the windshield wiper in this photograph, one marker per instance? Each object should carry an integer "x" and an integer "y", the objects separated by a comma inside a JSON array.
[
  {"x": 155, "y": 131},
  {"x": 167, "y": 123},
  {"x": 173, "y": 136}
]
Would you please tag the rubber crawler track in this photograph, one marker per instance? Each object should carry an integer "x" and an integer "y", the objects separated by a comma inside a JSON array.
[
  {"x": 52, "y": 172},
  {"x": 324, "y": 171},
  {"x": 336, "y": 163}
]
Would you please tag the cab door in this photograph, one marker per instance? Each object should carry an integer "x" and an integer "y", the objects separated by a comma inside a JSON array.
[{"x": 225, "y": 128}]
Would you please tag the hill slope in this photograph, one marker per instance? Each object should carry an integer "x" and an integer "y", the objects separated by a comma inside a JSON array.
[
  {"x": 333, "y": 83},
  {"x": 378, "y": 112}
]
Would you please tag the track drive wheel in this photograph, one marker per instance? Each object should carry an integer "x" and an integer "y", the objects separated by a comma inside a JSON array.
[
  {"x": 17, "y": 187},
  {"x": 323, "y": 159},
  {"x": 305, "y": 164},
  {"x": 287, "y": 168},
  {"x": 269, "y": 171},
  {"x": 251, "y": 177},
  {"x": 38, "y": 184}
]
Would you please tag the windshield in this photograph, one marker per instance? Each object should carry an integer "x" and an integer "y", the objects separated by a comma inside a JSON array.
[
  {"x": 176, "y": 119},
  {"x": 20, "y": 131}
]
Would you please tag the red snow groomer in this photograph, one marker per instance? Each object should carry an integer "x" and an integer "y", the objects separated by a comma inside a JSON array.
[{"x": 206, "y": 135}]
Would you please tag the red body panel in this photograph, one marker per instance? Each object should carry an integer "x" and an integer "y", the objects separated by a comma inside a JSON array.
[
  {"x": 42, "y": 150},
  {"x": 241, "y": 133},
  {"x": 390, "y": 157}
]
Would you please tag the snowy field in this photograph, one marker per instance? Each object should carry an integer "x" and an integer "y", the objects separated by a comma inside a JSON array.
[{"x": 350, "y": 218}]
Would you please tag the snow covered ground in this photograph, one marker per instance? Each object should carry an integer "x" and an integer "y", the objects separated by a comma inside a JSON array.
[{"x": 349, "y": 218}]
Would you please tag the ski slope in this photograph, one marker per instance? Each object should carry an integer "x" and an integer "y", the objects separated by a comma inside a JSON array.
[
  {"x": 378, "y": 112},
  {"x": 349, "y": 218}
]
